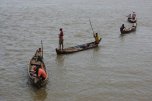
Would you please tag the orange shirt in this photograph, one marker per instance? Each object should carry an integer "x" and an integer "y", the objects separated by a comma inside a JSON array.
[{"x": 42, "y": 73}]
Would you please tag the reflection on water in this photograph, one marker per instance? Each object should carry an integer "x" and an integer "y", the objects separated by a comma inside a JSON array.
[
  {"x": 121, "y": 36},
  {"x": 60, "y": 60},
  {"x": 95, "y": 50},
  {"x": 38, "y": 94}
]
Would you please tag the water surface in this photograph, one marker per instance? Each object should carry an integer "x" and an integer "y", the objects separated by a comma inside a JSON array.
[{"x": 118, "y": 70}]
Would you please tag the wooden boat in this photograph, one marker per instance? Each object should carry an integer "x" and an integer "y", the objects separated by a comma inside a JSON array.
[
  {"x": 37, "y": 60},
  {"x": 131, "y": 19},
  {"x": 128, "y": 30},
  {"x": 77, "y": 48}
]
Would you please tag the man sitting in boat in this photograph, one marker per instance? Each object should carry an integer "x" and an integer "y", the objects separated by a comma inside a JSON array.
[
  {"x": 97, "y": 38},
  {"x": 40, "y": 72},
  {"x": 61, "y": 39},
  {"x": 122, "y": 27},
  {"x": 133, "y": 15},
  {"x": 38, "y": 52}
]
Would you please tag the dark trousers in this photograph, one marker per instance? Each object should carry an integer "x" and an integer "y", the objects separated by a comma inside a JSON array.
[{"x": 61, "y": 44}]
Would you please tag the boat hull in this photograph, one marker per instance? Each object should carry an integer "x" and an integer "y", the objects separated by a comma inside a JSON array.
[
  {"x": 129, "y": 30},
  {"x": 77, "y": 48}
]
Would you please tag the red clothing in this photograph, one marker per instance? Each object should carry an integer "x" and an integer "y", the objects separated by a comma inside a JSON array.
[
  {"x": 61, "y": 35},
  {"x": 42, "y": 73}
]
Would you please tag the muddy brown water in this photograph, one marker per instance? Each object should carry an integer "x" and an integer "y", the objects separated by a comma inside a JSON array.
[{"x": 118, "y": 70}]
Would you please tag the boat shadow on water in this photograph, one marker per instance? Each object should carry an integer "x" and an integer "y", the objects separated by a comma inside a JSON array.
[
  {"x": 121, "y": 36},
  {"x": 60, "y": 59},
  {"x": 36, "y": 86},
  {"x": 38, "y": 94}
]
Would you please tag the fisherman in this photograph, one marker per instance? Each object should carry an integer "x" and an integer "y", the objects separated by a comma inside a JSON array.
[
  {"x": 122, "y": 27},
  {"x": 97, "y": 38},
  {"x": 133, "y": 15},
  {"x": 38, "y": 54},
  {"x": 61, "y": 39},
  {"x": 40, "y": 72}
]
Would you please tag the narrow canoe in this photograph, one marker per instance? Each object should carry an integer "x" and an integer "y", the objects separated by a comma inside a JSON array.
[
  {"x": 77, "y": 48},
  {"x": 128, "y": 30},
  {"x": 37, "y": 60}
]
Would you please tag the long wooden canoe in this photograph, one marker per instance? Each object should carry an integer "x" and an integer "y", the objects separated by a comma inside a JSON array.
[
  {"x": 37, "y": 60},
  {"x": 128, "y": 30},
  {"x": 77, "y": 48}
]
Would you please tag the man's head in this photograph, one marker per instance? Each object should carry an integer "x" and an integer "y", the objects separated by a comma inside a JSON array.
[
  {"x": 39, "y": 49},
  {"x": 60, "y": 29}
]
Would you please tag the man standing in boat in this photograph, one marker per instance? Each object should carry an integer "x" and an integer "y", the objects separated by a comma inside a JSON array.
[{"x": 61, "y": 39}]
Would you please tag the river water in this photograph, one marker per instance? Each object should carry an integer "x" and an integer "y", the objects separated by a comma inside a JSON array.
[{"x": 118, "y": 70}]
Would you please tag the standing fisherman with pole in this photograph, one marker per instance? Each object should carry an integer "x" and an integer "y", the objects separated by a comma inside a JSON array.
[{"x": 96, "y": 36}]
